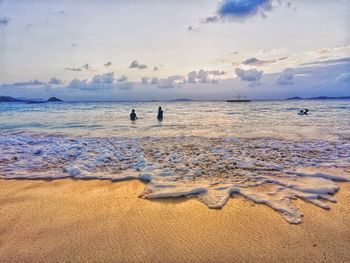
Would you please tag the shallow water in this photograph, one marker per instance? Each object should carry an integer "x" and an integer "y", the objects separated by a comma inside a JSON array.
[
  {"x": 263, "y": 151},
  {"x": 327, "y": 120}
]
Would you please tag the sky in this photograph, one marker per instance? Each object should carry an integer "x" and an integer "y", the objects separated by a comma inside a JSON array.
[{"x": 163, "y": 49}]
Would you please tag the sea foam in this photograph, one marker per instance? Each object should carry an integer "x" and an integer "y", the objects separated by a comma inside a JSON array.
[{"x": 266, "y": 171}]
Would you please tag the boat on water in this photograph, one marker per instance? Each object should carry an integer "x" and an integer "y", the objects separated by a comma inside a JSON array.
[{"x": 239, "y": 99}]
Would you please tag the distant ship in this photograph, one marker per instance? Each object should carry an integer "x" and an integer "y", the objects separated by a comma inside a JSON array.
[{"x": 239, "y": 99}]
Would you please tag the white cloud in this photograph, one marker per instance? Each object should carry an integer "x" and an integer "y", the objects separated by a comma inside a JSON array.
[
  {"x": 78, "y": 84},
  {"x": 192, "y": 77},
  {"x": 249, "y": 74},
  {"x": 171, "y": 82},
  {"x": 105, "y": 81},
  {"x": 149, "y": 80},
  {"x": 107, "y": 78},
  {"x": 202, "y": 76}
]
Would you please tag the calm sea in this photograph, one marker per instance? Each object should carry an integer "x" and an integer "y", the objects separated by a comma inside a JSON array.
[{"x": 327, "y": 119}]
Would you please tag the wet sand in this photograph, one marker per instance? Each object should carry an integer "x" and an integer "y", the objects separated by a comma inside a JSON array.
[{"x": 100, "y": 221}]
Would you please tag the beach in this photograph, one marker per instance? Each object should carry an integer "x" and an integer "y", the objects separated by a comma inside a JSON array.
[
  {"x": 257, "y": 182},
  {"x": 70, "y": 220}
]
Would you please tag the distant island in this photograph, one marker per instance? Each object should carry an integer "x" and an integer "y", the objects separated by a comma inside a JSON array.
[
  {"x": 12, "y": 99},
  {"x": 320, "y": 98},
  {"x": 54, "y": 99},
  {"x": 294, "y": 98},
  {"x": 182, "y": 100}
]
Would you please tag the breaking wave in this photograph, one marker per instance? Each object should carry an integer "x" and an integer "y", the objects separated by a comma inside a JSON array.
[{"x": 264, "y": 170}]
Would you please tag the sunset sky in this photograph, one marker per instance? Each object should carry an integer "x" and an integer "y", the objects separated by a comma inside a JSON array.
[{"x": 159, "y": 49}]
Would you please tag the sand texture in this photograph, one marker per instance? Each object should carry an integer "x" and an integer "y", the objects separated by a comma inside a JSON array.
[{"x": 100, "y": 221}]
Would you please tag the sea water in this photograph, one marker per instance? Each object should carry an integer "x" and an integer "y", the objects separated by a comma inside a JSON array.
[{"x": 261, "y": 150}]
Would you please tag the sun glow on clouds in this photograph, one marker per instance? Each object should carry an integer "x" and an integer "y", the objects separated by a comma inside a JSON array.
[{"x": 170, "y": 46}]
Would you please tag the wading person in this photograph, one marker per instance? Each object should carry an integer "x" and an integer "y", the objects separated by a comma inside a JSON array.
[
  {"x": 133, "y": 116},
  {"x": 160, "y": 114}
]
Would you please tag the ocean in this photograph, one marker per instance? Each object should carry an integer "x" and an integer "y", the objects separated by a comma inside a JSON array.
[
  {"x": 327, "y": 120},
  {"x": 261, "y": 150}
]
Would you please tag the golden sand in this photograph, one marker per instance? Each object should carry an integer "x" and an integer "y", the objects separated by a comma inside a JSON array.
[{"x": 100, "y": 221}]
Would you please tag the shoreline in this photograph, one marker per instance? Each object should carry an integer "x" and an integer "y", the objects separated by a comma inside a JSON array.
[{"x": 99, "y": 220}]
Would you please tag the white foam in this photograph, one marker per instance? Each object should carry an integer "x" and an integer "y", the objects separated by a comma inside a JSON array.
[{"x": 265, "y": 171}]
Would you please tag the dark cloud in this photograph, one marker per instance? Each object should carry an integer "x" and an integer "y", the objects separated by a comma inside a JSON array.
[
  {"x": 195, "y": 29},
  {"x": 210, "y": 19},
  {"x": 149, "y": 80},
  {"x": 107, "y": 64},
  {"x": 286, "y": 77},
  {"x": 216, "y": 72},
  {"x": 249, "y": 75},
  {"x": 324, "y": 51},
  {"x": 145, "y": 80},
  {"x": 55, "y": 81},
  {"x": 137, "y": 65},
  {"x": 240, "y": 9},
  {"x": 257, "y": 62},
  {"x": 29, "y": 83},
  {"x": 4, "y": 21},
  {"x": 73, "y": 69},
  {"x": 154, "y": 80},
  {"x": 84, "y": 67},
  {"x": 243, "y": 8},
  {"x": 122, "y": 78}
]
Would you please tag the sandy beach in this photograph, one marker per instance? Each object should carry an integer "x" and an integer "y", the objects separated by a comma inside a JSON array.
[{"x": 100, "y": 221}]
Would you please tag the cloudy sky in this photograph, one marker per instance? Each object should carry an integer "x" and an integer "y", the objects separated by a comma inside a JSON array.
[{"x": 164, "y": 49}]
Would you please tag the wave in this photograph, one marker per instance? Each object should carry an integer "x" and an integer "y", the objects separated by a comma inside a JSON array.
[{"x": 266, "y": 171}]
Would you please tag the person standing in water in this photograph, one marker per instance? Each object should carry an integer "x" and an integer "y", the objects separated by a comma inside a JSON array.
[
  {"x": 133, "y": 116},
  {"x": 160, "y": 114},
  {"x": 303, "y": 112}
]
